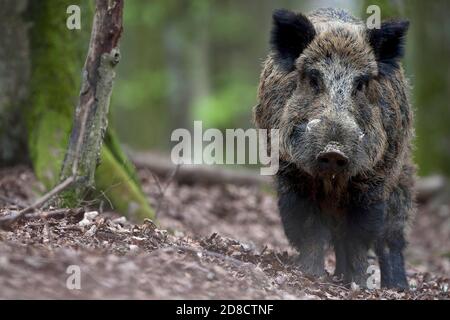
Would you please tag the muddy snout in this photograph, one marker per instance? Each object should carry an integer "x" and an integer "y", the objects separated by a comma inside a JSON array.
[
  {"x": 332, "y": 145},
  {"x": 332, "y": 160}
]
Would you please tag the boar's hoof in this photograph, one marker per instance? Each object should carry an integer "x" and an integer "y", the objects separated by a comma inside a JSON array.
[{"x": 312, "y": 268}]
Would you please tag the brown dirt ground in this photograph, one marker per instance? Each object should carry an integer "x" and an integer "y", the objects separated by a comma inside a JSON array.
[{"x": 222, "y": 242}]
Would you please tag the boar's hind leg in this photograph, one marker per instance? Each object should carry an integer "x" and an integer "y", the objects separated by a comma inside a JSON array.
[
  {"x": 304, "y": 231},
  {"x": 357, "y": 264},
  {"x": 339, "y": 251},
  {"x": 401, "y": 209},
  {"x": 396, "y": 244}
]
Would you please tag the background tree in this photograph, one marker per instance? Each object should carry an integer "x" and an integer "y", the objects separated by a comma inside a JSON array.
[
  {"x": 54, "y": 55},
  {"x": 430, "y": 66},
  {"x": 14, "y": 79}
]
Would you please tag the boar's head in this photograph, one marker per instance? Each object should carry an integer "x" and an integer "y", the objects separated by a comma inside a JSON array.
[{"x": 324, "y": 93}]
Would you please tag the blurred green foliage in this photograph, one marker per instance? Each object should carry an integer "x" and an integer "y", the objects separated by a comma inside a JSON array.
[
  {"x": 185, "y": 61},
  {"x": 200, "y": 60},
  {"x": 225, "y": 107}
]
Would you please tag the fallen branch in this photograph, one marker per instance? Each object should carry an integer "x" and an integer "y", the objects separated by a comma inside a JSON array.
[
  {"x": 430, "y": 187},
  {"x": 163, "y": 189},
  {"x": 203, "y": 174},
  {"x": 42, "y": 200},
  {"x": 54, "y": 214},
  {"x": 427, "y": 187}
]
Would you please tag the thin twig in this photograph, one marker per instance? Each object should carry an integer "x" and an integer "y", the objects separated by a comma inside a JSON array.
[
  {"x": 42, "y": 200},
  {"x": 263, "y": 250},
  {"x": 107, "y": 199},
  {"x": 156, "y": 179},
  {"x": 162, "y": 190},
  {"x": 98, "y": 200},
  {"x": 7, "y": 221},
  {"x": 279, "y": 260},
  {"x": 51, "y": 213}
]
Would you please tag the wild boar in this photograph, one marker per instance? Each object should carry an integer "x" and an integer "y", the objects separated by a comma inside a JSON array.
[{"x": 337, "y": 92}]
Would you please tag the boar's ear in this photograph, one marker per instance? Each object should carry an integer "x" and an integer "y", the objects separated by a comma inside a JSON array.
[
  {"x": 388, "y": 43},
  {"x": 291, "y": 34}
]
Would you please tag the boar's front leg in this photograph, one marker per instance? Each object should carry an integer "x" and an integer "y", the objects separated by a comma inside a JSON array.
[
  {"x": 341, "y": 257},
  {"x": 304, "y": 230},
  {"x": 364, "y": 225},
  {"x": 384, "y": 261}
]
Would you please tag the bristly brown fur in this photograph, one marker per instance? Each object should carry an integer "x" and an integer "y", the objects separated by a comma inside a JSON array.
[{"x": 350, "y": 80}]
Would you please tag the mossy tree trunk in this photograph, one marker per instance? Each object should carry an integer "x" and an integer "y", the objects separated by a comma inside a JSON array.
[
  {"x": 91, "y": 121},
  {"x": 55, "y": 59}
]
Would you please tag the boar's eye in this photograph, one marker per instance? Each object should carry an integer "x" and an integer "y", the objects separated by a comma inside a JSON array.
[
  {"x": 361, "y": 83},
  {"x": 314, "y": 79}
]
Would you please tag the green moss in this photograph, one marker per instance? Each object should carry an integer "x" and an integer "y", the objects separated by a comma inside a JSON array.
[
  {"x": 112, "y": 142},
  {"x": 113, "y": 181},
  {"x": 50, "y": 134},
  {"x": 57, "y": 56}
]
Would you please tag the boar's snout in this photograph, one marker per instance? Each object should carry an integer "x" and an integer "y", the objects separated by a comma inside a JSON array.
[
  {"x": 332, "y": 161},
  {"x": 328, "y": 145}
]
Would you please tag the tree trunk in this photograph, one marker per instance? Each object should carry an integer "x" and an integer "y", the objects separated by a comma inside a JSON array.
[
  {"x": 40, "y": 63},
  {"x": 91, "y": 114},
  {"x": 56, "y": 60},
  {"x": 179, "y": 95},
  {"x": 91, "y": 121},
  {"x": 14, "y": 76}
]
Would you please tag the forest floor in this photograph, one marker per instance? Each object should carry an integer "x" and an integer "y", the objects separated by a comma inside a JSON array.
[{"x": 222, "y": 242}]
